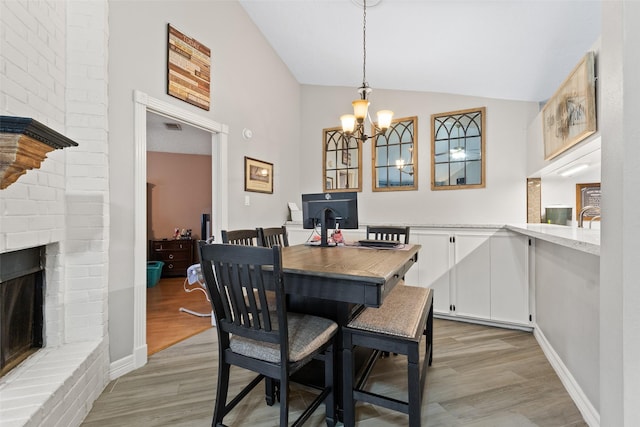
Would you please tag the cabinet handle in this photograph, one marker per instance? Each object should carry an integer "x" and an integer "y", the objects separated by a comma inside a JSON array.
[
  {"x": 170, "y": 266},
  {"x": 170, "y": 256}
]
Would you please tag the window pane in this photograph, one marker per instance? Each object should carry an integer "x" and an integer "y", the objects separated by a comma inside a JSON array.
[
  {"x": 457, "y": 176},
  {"x": 394, "y": 154},
  {"x": 473, "y": 148},
  {"x": 394, "y": 177},
  {"x": 381, "y": 177},
  {"x": 441, "y": 147},
  {"x": 394, "y": 138},
  {"x": 442, "y": 158},
  {"x": 474, "y": 172},
  {"x": 406, "y": 151},
  {"x": 441, "y": 174},
  {"x": 381, "y": 156}
]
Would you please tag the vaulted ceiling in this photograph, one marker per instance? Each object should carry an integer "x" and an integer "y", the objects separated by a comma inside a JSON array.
[{"x": 506, "y": 49}]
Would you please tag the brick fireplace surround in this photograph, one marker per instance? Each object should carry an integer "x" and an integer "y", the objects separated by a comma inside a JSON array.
[{"x": 63, "y": 205}]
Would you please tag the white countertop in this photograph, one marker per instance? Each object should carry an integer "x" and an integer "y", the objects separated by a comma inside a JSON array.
[{"x": 581, "y": 239}]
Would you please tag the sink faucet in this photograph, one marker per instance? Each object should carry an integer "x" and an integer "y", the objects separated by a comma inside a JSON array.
[
  {"x": 593, "y": 209},
  {"x": 593, "y": 218}
]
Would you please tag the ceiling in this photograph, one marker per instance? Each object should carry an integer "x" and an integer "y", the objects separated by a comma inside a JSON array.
[{"x": 505, "y": 49}]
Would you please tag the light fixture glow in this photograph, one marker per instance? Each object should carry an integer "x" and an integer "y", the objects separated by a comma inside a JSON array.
[{"x": 573, "y": 169}]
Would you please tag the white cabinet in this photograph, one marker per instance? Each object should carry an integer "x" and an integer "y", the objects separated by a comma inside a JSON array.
[
  {"x": 475, "y": 274},
  {"x": 433, "y": 267},
  {"x": 472, "y": 275},
  {"x": 509, "y": 278}
]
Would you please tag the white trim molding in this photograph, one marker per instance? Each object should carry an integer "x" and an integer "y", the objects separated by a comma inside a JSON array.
[
  {"x": 590, "y": 414},
  {"x": 143, "y": 103}
]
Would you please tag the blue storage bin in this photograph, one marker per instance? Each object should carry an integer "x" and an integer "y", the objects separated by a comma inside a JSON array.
[{"x": 154, "y": 271}]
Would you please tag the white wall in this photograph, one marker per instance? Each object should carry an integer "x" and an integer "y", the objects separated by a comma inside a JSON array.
[
  {"x": 251, "y": 88},
  {"x": 620, "y": 251},
  {"x": 502, "y": 201}
]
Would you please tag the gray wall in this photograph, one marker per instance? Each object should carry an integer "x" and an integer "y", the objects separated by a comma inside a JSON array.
[
  {"x": 567, "y": 310},
  {"x": 251, "y": 88},
  {"x": 502, "y": 201}
]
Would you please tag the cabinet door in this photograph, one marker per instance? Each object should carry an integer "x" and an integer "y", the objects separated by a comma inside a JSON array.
[
  {"x": 509, "y": 272},
  {"x": 472, "y": 275},
  {"x": 433, "y": 268}
]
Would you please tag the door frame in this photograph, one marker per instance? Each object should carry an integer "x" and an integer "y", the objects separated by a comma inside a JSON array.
[{"x": 144, "y": 103}]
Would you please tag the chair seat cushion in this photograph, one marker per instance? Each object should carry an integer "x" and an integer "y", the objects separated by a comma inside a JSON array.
[
  {"x": 306, "y": 334},
  {"x": 400, "y": 313}
]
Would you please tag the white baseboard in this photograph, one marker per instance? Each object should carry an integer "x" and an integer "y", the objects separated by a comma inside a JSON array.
[
  {"x": 591, "y": 416},
  {"x": 505, "y": 325},
  {"x": 121, "y": 367}
]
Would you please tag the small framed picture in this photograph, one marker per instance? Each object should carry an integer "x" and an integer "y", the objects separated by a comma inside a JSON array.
[
  {"x": 328, "y": 185},
  {"x": 258, "y": 176}
]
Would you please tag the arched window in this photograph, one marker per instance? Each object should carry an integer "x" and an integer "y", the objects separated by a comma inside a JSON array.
[
  {"x": 458, "y": 149},
  {"x": 395, "y": 157}
]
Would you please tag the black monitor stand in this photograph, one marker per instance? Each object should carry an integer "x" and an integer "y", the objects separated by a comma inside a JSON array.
[{"x": 324, "y": 219}]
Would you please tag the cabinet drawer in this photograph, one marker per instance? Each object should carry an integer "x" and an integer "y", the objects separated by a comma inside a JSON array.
[
  {"x": 175, "y": 268},
  {"x": 168, "y": 256},
  {"x": 172, "y": 245}
]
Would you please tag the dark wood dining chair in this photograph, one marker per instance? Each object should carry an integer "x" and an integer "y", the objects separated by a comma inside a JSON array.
[
  {"x": 398, "y": 326},
  {"x": 389, "y": 232},
  {"x": 248, "y": 237},
  {"x": 252, "y": 237},
  {"x": 272, "y": 344},
  {"x": 273, "y": 236}
]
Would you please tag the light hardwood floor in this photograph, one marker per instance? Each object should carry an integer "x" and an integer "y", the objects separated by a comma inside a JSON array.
[
  {"x": 480, "y": 377},
  {"x": 166, "y": 324}
]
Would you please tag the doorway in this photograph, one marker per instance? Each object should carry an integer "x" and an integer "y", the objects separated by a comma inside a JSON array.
[
  {"x": 143, "y": 104},
  {"x": 178, "y": 197}
]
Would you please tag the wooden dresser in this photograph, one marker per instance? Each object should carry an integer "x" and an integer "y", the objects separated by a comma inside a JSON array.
[{"x": 177, "y": 255}]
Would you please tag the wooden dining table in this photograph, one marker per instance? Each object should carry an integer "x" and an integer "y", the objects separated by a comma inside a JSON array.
[{"x": 337, "y": 282}]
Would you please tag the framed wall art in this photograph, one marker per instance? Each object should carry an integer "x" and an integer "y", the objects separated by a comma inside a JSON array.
[
  {"x": 588, "y": 195},
  {"x": 570, "y": 115},
  {"x": 258, "y": 176},
  {"x": 188, "y": 69},
  {"x": 458, "y": 147},
  {"x": 341, "y": 160}
]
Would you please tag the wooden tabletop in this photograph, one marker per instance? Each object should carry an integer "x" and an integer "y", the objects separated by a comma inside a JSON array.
[{"x": 344, "y": 273}]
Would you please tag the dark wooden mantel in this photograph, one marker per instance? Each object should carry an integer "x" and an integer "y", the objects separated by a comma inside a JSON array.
[{"x": 24, "y": 144}]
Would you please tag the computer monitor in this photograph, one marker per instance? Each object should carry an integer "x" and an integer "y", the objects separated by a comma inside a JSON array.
[{"x": 329, "y": 209}]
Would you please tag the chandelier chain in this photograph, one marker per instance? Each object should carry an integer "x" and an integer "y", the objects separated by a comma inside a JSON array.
[{"x": 364, "y": 44}]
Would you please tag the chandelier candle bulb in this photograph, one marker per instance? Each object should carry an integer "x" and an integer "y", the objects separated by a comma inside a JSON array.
[
  {"x": 348, "y": 123},
  {"x": 384, "y": 119},
  {"x": 360, "y": 109}
]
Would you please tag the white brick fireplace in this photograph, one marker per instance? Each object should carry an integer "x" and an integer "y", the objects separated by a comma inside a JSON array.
[{"x": 54, "y": 69}]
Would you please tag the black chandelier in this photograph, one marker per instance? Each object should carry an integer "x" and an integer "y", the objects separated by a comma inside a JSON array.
[{"x": 353, "y": 124}]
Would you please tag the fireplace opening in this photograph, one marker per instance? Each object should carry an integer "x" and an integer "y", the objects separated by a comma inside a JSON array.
[{"x": 21, "y": 305}]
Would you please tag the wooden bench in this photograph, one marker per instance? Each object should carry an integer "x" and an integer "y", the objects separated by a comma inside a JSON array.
[{"x": 397, "y": 326}]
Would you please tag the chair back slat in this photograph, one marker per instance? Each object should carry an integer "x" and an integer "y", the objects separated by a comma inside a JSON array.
[
  {"x": 389, "y": 232},
  {"x": 248, "y": 237},
  {"x": 238, "y": 278},
  {"x": 273, "y": 236}
]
